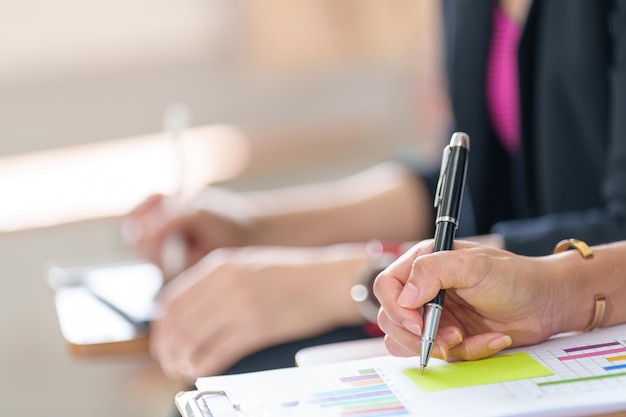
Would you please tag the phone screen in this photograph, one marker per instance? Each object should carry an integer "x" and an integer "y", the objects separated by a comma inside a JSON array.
[{"x": 128, "y": 288}]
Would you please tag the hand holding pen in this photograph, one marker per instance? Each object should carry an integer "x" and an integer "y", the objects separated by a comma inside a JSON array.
[
  {"x": 448, "y": 198},
  {"x": 484, "y": 311}
]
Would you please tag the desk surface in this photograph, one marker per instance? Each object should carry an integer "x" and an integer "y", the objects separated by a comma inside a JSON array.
[{"x": 35, "y": 355}]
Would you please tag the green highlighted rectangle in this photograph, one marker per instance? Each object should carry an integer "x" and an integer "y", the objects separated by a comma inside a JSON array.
[{"x": 485, "y": 371}]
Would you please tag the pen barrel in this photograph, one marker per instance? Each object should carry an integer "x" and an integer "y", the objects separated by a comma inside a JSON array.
[
  {"x": 450, "y": 206},
  {"x": 444, "y": 236},
  {"x": 452, "y": 189},
  {"x": 448, "y": 202}
]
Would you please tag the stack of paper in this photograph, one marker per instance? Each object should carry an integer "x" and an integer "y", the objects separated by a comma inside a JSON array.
[{"x": 578, "y": 375}]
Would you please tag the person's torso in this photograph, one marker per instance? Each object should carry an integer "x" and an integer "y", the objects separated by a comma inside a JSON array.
[{"x": 564, "y": 65}]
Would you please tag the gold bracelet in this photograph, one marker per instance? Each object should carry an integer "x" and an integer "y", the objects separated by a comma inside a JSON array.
[{"x": 600, "y": 299}]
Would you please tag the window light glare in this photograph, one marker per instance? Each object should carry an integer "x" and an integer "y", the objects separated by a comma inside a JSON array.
[{"x": 109, "y": 178}]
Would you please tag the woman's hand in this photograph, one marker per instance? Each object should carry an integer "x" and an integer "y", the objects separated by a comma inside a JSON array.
[
  {"x": 494, "y": 299},
  {"x": 216, "y": 218},
  {"x": 237, "y": 301}
]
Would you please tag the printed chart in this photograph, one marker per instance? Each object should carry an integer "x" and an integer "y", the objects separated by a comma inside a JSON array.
[
  {"x": 538, "y": 372},
  {"x": 576, "y": 375},
  {"x": 365, "y": 394},
  {"x": 583, "y": 367}
]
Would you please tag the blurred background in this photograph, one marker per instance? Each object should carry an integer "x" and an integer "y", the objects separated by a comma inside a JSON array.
[{"x": 318, "y": 89}]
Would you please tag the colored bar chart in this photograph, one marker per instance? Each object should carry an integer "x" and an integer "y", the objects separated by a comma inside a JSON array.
[
  {"x": 364, "y": 394},
  {"x": 587, "y": 363},
  {"x": 569, "y": 375}
]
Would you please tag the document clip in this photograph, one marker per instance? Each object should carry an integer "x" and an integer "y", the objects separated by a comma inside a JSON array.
[{"x": 221, "y": 402}]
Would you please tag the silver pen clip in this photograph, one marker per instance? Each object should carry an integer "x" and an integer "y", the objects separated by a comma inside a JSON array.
[{"x": 442, "y": 175}]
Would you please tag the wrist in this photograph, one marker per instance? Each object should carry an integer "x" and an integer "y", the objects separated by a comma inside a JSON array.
[
  {"x": 563, "y": 311},
  {"x": 581, "y": 307},
  {"x": 346, "y": 261},
  {"x": 380, "y": 255},
  {"x": 263, "y": 221},
  {"x": 264, "y": 225}
]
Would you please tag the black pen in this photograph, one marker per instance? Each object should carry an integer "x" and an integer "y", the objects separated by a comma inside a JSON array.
[{"x": 448, "y": 203}]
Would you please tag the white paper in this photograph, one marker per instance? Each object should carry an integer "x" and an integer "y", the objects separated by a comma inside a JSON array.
[{"x": 326, "y": 390}]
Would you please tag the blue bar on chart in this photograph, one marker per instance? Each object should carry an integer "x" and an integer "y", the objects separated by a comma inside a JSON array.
[{"x": 366, "y": 394}]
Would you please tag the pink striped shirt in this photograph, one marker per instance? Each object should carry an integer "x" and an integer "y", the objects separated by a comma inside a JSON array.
[{"x": 502, "y": 80}]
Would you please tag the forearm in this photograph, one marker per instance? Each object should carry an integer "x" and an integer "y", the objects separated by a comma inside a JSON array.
[
  {"x": 580, "y": 280},
  {"x": 385, "y": 202},
  {"x": 340, "y": 268}
]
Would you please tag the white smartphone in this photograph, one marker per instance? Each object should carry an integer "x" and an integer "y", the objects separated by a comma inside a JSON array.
[{"x": 129, "y": 288}]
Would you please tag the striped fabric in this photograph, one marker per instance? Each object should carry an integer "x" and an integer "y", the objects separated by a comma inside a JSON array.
[{"x": 502, "y": 80}]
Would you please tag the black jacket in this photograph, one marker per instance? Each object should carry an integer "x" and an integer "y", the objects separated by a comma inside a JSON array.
[{"x": 569, "y": 179}]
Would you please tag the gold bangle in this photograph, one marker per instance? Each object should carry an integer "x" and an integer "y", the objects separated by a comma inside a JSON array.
[
  {"x": 579, "y": 245},
  {"x": 600, "y": 299},
  {"x": 598, "y": 313}
]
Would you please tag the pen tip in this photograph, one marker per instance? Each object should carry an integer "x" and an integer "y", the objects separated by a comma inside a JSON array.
[{"x": 422, "y": 369}]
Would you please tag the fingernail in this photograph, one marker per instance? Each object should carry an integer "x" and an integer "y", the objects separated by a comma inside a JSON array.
[
  {"x": 452, "y": 337},
  {"x": 408, "y": 295},
  {"x": 412, "y": 327},
  {"x": 500, "y": 343}
]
